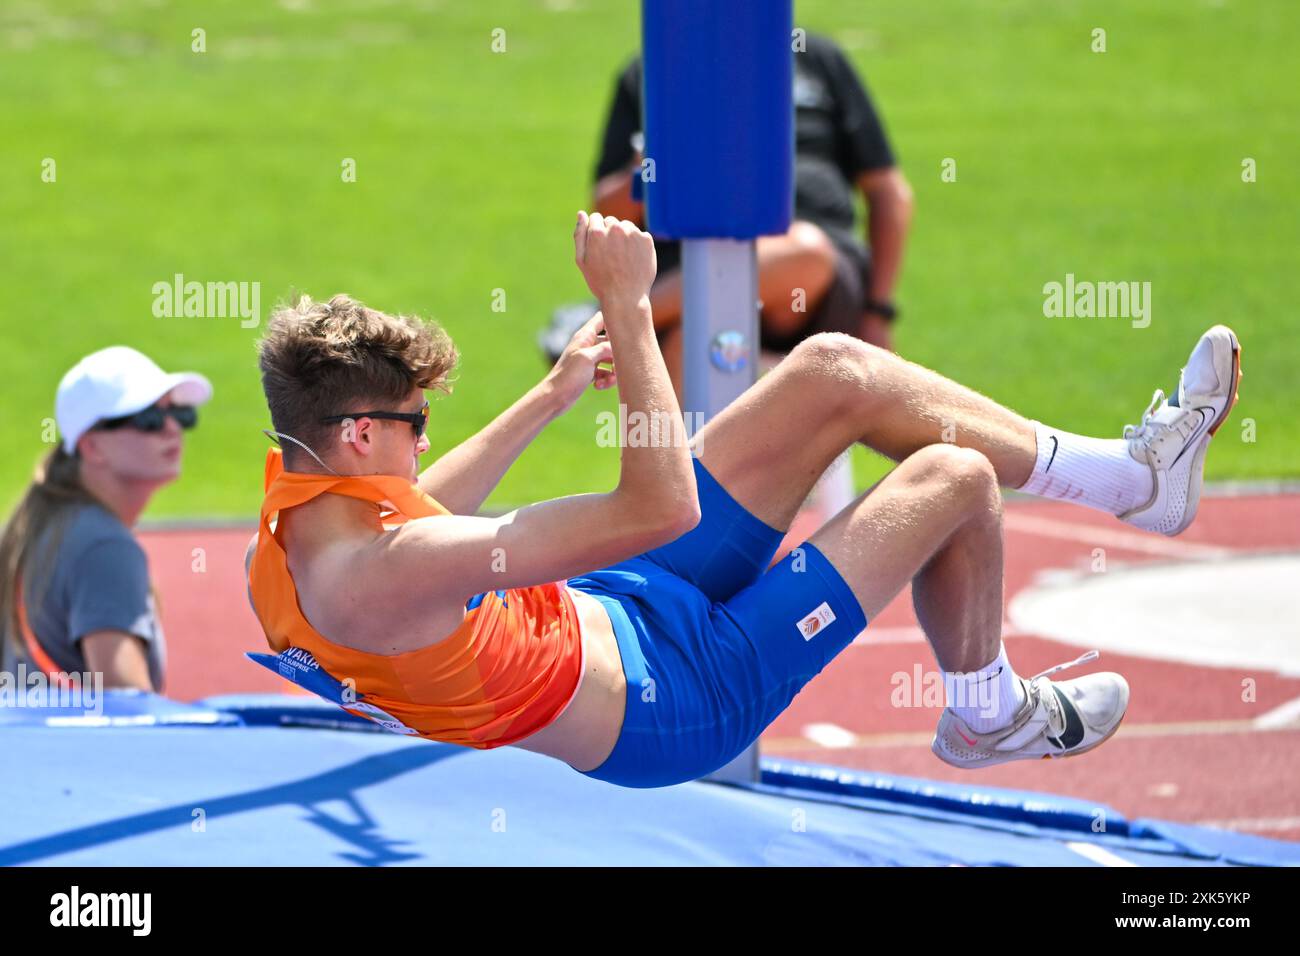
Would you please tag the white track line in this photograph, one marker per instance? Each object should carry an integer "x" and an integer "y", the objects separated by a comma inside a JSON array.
[
  {"x": 830, "y": 736},
  {"x": 909, "y": 635},
  {"x": 890, "y": 635},
  {"x": 1253, "y": 823},
  {"x": 1097, "y": 854},
  {"x": 1112, "y": 537},
  {"x": 1287, "y": 715}
]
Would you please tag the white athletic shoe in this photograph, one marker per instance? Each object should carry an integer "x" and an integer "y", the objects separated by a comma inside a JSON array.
[
  {"x": 1057, "y": 719},
  {"x": 1173, "y": 435}
]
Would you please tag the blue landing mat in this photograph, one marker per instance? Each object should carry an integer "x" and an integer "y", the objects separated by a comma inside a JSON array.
[{"x": 248, "y": 785}]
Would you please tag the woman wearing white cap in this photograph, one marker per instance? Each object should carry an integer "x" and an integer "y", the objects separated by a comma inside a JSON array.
[{"x": 75, "y": 595}]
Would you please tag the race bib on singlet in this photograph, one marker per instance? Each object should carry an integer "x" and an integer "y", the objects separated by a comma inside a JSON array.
[{"x": 303, "y": 669}]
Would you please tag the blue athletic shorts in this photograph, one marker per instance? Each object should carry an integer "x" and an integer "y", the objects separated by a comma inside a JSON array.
[{"x": 715, "y": 646}]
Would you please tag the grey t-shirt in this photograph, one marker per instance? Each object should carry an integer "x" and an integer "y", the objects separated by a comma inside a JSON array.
[{"x": 98, "y": 581}]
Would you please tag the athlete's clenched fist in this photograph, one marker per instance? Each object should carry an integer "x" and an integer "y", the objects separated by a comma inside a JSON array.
[{"x": 615, "y": 257}]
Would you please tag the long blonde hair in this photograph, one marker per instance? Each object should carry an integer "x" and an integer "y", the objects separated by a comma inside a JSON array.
[{"x": 46, "y": 507}]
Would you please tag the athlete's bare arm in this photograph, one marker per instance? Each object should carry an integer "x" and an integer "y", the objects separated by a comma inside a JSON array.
[
  {"x": 449, "y": 558},
  {"x": 462, "y": 478}
]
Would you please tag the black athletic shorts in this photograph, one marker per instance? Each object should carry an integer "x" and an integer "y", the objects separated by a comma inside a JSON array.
[
  {"x": 840, "y": 308},
  {"x": 842, "y": 305}
]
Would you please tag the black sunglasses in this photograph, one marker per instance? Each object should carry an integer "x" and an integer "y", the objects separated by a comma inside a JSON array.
[
  {"x": 417, "y": 420},
  {"x": 153, "y": 418}
]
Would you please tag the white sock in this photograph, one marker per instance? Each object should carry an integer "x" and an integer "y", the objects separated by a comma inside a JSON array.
[
  {"x": 1096, "y": 472},
  {"x": 987, "y": 698}
]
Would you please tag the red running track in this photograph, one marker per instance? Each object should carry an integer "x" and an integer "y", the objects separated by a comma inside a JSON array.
[{"x": 1187, "y": 749}]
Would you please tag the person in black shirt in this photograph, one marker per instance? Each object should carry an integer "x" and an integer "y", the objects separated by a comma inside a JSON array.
[{"x": 839, "y": 145}]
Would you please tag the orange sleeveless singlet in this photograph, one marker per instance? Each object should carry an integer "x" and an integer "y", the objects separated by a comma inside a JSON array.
[{"x": 510, "y": 668}]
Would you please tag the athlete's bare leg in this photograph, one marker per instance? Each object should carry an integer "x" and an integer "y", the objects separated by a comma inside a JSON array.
[
  {"x": 936, "y": 521},
  {"x": 770, "y": 445}
]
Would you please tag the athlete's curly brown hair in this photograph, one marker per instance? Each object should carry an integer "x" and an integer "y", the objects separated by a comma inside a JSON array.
[{"x": 331, "y": 358}]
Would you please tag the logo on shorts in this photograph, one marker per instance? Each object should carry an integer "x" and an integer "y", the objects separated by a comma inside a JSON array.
[{"x": 815, "y": 622}]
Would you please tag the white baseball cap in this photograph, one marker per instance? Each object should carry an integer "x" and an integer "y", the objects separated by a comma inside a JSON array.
[{"x": 118, "y": 381}]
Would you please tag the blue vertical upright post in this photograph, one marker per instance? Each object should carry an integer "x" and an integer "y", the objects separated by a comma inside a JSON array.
[{"x": 719, "y": 148}]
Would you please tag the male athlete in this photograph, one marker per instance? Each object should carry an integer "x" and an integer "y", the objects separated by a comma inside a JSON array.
[{"x": 638, "y": 634}]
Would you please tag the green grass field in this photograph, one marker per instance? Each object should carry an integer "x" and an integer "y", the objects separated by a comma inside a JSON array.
[{"x": 225, "y": 166}]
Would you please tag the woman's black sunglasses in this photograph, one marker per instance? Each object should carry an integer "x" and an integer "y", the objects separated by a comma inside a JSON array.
[
  {"x": 417, "y": 420},
  {"x": 153, "y": 418}
]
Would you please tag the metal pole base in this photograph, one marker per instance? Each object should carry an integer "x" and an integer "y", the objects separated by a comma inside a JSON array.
[
  {"x": 719, "y": 323},
  {"x": 720, "y": 361}
]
